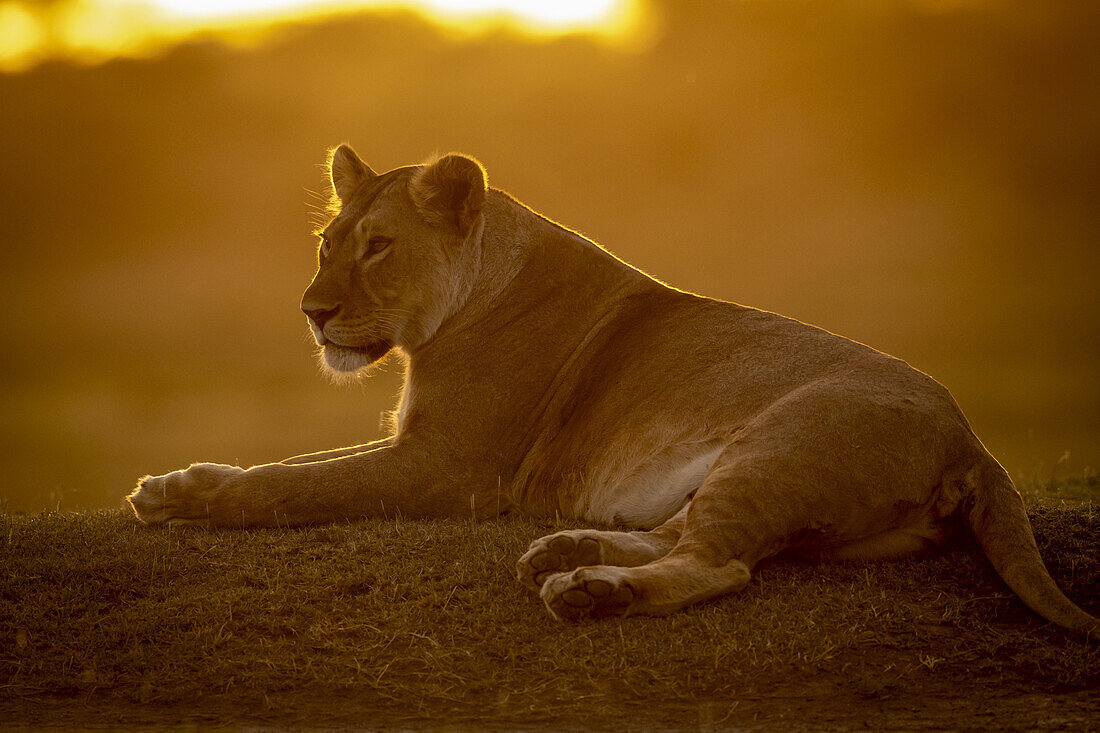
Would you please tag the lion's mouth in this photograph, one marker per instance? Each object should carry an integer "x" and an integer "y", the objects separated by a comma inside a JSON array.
[{"x": 373, "y": 350}]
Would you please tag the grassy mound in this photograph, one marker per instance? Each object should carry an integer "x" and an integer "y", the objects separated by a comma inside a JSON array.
[{"x": 103, "y": 620}]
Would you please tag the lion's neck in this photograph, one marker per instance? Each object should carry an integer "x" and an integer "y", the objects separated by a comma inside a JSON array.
[
  {"x": 516, "y": 240},
  {"x": 508, "y": 233}
]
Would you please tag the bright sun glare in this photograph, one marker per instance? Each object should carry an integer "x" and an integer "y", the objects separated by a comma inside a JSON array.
[{"x": 92, "y": 30}]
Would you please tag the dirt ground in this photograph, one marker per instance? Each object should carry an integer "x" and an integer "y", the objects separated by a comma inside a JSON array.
[
  {"x": 819, "y": 705},
  {"x": 105, "y": 624}
]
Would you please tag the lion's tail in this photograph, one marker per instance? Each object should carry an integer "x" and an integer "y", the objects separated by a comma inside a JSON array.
[{"x": 996, "y": 514}]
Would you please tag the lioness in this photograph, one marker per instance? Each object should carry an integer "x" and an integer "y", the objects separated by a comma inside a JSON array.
[{"x": 547, "y": 377}]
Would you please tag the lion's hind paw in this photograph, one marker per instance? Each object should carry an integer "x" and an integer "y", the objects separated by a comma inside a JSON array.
[
  {"x": 554, "y": 554},
  {"x": 588, "y": 592}
]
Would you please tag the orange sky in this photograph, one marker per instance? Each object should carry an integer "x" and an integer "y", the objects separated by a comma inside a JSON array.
[{"x": 92, "y": 30}]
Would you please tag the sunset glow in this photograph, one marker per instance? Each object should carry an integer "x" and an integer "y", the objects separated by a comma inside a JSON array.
[{"x": 94, "y": 30}]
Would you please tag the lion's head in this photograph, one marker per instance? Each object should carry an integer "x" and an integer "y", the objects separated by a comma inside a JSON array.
[{"x": 395, "y": 261}]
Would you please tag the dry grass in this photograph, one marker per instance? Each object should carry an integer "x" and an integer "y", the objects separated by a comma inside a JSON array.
[{"x": 383, "y": 622}]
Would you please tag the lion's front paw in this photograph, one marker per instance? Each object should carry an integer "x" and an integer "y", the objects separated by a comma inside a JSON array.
[
  {"x": 589, "y": 593},
  {"x": 556, "y": 553},
  {"x": 180, "y": 497}
]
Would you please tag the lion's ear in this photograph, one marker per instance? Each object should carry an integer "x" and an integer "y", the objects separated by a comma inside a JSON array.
[
  {"x": 347, "y": 172},
  {"x": 450, "y": 191}
]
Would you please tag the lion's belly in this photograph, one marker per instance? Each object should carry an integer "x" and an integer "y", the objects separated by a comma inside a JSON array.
[{"x": 651, "y": 491}]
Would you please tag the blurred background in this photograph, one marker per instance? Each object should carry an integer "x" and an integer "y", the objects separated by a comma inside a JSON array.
[{"x": 919, "y": 175}]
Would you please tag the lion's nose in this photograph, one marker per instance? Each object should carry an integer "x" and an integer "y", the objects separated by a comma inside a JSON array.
[{"x": 320, "y": 316}]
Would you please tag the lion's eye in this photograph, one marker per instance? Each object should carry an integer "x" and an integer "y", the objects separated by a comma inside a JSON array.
[
  {"x": 377, "y": 244},
  {"x": 326, "y": 245}
]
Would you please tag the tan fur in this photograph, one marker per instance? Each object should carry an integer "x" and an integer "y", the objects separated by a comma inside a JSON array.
[
  {"x": 346, "y": 171},
  {"x": 547, "y": 377},
  {"x": 449, "y": 191}
]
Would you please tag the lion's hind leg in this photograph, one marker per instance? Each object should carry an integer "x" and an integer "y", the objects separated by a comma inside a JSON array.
[
  {"x": 781, "y": 485},
  {"x": 744, "y": 511},
  {"x": 712, "y": 557},
  {"x": 656, "y": 589},
  {"x": 564, "y": 551}
]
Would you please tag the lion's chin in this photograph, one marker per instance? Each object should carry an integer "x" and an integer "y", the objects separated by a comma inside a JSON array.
[{"x": 347, "y": 359}]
